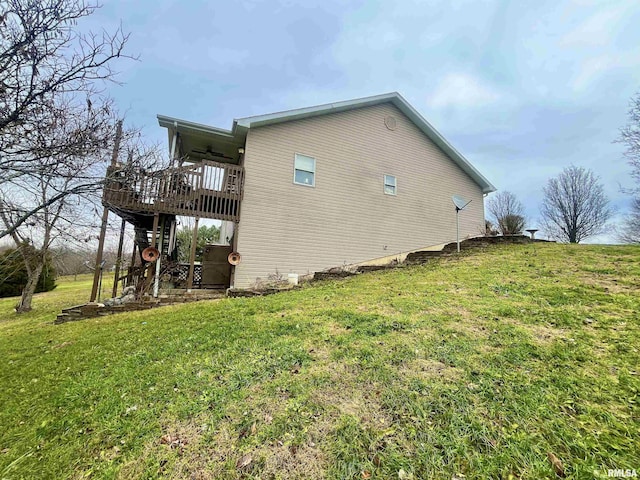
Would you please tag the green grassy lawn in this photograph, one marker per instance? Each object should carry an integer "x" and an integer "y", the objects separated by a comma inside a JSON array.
[{"x": 471, "y": 367}]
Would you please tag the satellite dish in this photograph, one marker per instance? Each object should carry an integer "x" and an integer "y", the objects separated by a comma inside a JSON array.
[
  {"x": 150, "y": 254},
  {"x": 459, "y": 202}
]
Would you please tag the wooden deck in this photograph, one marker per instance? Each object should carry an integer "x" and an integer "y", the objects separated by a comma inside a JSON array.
[{"x": 206, "y": 189}]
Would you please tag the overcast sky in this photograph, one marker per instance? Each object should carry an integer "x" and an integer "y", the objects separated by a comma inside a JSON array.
[{"x": 522, "y": 89}]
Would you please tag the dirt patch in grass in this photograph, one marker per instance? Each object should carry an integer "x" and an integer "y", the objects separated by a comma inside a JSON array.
[
  {"x": 181, "y": 441},
  {"x": 190, "y": 452},
  {"x": 242, "y": 445},
  {"x": 273, "y": 459},
  {"x": 485, "y": 349},
  {"x": 360, "y": 400},
  {"x": 319, "y": 354},
  {"x": 471, "y": 328},
  {"x": 206, "y": 460},
  {"x": 609, "y": 285},
  {"x": 544, "y": 334},
  {"x": 283, "y": 461},
  {"x": 361, "y": 404},
  {"x": 425, "y": 368},
  {"x": 335, "y": 329}
]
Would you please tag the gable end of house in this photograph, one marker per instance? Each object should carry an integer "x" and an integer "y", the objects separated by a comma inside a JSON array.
[{"x": 242, "y": 125}]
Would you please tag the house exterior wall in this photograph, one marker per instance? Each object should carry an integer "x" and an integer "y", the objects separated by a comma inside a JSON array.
[{"x": 346, "y": 217}]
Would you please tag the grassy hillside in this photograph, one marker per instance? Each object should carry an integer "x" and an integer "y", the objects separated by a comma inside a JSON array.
[{"x": 480, "y": 366}]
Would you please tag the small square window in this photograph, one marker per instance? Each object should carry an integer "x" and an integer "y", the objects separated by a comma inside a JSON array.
[
  {"x": 304, "y": 170},
  {"x": 390, "y": 185}
]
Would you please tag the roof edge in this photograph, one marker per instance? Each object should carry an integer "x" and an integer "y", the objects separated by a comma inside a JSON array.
[
  {"x": 393, "y": 97},
  {"x": 171, "y": 122},
  {"x": 299, "y": 113},
  {"x": 437, "y": 138},
  {"x": 241, "y": 125}
]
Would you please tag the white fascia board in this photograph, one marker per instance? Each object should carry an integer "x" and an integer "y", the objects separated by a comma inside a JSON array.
[
  {"x": 192, "y": 127},
  {"x": 308, "y": 112}
]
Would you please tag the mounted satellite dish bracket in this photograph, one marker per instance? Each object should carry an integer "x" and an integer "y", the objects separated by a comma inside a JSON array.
[{"x": 460, "y": 204}]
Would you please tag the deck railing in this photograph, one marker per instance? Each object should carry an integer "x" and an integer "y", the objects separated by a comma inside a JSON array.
[{"x": 206, "y": 189}]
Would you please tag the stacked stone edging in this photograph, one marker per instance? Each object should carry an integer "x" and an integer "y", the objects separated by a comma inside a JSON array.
[{"x": 93, "y": 310}]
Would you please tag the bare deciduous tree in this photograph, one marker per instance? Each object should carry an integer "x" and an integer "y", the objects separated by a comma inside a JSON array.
[
  {"x": 507, "y": 212},
  {"x": 57, "y": 218},
  {"x": 42, "y": 53},
  {"x": 629, "y": 232},
  {"x": 489, "y": 229},
  {"x": 89, "y": 132},
  {"x": 574, "y": 206},
  {"x": 512, "y": 224},
  {"x": 630, "y": 137},
  {"x": 51, "y": 74},
  {"x": 60, "y": 219},
  {"x": 71, "y": 260}
]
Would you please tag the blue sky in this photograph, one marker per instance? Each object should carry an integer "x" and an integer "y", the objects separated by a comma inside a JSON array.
[{"x": 522, "y": 89}]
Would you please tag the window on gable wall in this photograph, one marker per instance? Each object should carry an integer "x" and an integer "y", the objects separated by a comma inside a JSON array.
[
  {"x": 304, "y": 170},
  {"x": 390, "y": 185}
]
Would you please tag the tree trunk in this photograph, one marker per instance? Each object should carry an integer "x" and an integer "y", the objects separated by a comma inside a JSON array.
[
  {"x": 27, "y": 292},
  {"x": 573, "y": 235}
]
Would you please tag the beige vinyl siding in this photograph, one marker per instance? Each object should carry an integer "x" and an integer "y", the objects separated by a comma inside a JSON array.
[{"x": 346, "y": 217}]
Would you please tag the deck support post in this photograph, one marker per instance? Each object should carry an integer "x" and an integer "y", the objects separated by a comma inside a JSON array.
[
  {"x": 133, "y": 255},
  {"x": 98, "y": 266},
  {"x": 132, "y": 265},
  {"x": 192, "y": 256},
  {"x": 116, "y": 275},
  {"x": 156, "y": 283},
  {"x": 97, "y": 273},
  {"x": 154, "y": 234}
]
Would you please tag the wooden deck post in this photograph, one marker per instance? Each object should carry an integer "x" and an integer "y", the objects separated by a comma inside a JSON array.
[
  {"x": 154, "y": 232},
  {"x": 133, "y": 255},
  {"x": 105, "y": 218},
  {"x": 192, "y": 256},
  {"x": 132, "y": 265},
  {"x": 98, "y": 268},
  {"x": 116, "y": 275},
  {"x": 156, "y": 282}
]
